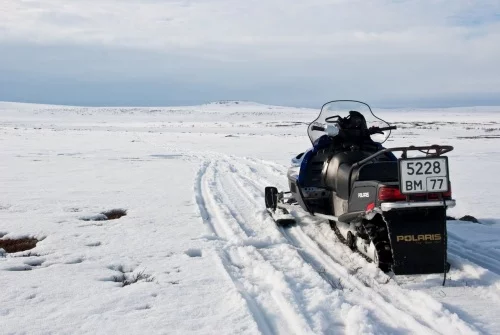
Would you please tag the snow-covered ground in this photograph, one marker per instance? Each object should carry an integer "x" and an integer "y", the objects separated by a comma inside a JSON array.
[{"x": 196, "y": 236}]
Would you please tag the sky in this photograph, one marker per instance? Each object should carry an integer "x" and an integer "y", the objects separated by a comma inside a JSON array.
[{"x": 424, "y": 53}]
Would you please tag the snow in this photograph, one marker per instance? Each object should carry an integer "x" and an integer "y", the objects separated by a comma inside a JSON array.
[{"x": 204, "y": 253}]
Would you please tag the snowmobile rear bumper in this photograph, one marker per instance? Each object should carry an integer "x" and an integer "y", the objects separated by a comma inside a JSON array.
[{"x": 387, "y": 206}]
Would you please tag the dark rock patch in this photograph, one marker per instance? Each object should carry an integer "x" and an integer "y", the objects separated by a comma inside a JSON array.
[
  {"x": 17, "y": 245},
  {"x": 469, "y": 218},
  {"x": 112, "y": 214}
]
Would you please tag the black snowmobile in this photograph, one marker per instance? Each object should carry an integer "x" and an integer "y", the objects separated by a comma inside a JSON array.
[{"x": 392, "y": 210}]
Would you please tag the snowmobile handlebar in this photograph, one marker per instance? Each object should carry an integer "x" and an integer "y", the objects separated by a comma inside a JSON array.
[
  {"x": 371, "y": 131},
  {"x": 377, "y": 130},
  {"x": 388, "y": 128},
  {"x": 318, "y": 128}
]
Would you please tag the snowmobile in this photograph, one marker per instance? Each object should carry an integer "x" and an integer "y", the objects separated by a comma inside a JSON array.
[{"x": 390, "y": 209}]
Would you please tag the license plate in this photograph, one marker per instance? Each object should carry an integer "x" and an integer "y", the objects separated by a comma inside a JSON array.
[{"x": 423, "y": 175}]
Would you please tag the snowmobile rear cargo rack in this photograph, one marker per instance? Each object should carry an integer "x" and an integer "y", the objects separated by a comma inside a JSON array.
[{"x": 438, "y": 151}]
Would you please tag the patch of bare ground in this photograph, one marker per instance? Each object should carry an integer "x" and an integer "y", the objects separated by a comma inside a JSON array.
[
  {"x": 112, "y": 214},
  {"x": 17, "y": 245}
]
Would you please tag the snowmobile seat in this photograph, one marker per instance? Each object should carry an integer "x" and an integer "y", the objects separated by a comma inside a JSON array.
[{"x": 379, "y": 171}]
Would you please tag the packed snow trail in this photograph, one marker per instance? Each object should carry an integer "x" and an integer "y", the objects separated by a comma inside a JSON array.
[
  {"x": 255, "y": 267},
  {"x": 294, "y": 282},
  {"x": 487, "y": 258}
]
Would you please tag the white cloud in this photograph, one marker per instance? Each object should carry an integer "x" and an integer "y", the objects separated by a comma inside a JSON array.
[
  {"x": 235, "y": 24},
  {"x": 426, "y": 46}
]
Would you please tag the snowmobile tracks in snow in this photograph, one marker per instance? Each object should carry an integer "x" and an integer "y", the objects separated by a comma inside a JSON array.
[
  {"x": 290, "y": 280},
  {"x": 254, "y": 266},
  {"x": 488, "y": 258}
]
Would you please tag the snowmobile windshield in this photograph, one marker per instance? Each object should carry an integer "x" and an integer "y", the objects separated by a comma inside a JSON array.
[{"x": 347, "y": 113}]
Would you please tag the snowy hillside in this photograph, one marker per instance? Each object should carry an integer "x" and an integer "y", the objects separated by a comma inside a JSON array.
[{"x": 196, "y": 252}]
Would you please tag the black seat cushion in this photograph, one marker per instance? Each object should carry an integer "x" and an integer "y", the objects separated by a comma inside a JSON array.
[{"x": 380, "y": 171}]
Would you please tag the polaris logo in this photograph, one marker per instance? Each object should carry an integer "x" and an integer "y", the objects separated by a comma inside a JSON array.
[
  {"x": 364, "y": 195},
  {"x": 418, "y": 238}
]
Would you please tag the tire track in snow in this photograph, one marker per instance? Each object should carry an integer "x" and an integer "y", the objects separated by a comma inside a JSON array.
[
  {"x": 269, "y": 297},
  {"x": 200, "y": 194},
  {"x": 200, "y": 200},
  {"x": 260, "y": 215},
  {"x": 245, "y": 183},
  {"x": 486, "y": 258}
]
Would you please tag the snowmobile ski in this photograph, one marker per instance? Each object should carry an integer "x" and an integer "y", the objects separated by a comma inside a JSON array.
[{"x": 274, "y": 206}]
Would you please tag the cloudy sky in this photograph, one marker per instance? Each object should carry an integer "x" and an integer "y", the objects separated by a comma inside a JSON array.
[{"x": 289, "y": 52}]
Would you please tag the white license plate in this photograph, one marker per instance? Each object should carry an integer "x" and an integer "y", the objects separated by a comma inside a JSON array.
[{"x": 423, "y": 175}]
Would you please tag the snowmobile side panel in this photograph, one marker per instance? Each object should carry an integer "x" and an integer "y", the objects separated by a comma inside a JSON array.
[
  {"x": 418, "y": 239},
  {"x": 362, "y": 195}
]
